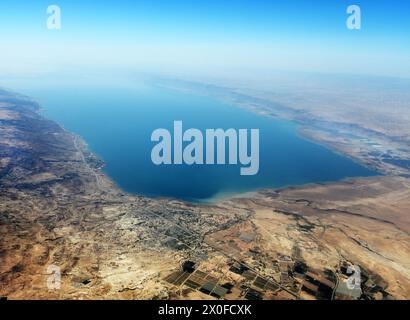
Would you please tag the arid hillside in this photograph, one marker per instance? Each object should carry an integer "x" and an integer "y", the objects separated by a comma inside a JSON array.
[{"x": 57, "y": 208}]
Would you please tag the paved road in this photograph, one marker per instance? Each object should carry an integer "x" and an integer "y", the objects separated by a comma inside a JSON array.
[
  {"x": 97, "y": 177},
  {"x": 151, "y": 211}
]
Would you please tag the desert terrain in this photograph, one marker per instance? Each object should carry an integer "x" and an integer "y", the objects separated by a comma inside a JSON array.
[{"x": 57, "y": 208}]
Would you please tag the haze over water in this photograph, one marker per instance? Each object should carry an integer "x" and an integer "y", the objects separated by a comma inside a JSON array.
[{"x": 117, "y": 122}]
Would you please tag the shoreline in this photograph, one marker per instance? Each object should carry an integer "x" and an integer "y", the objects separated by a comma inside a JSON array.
[
  {"x": 107, "y": 243},
  {"x": 223, "y": 195},
  {"x": 356, "y": 147}
]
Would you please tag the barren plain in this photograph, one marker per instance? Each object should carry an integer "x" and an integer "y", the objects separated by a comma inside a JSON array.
[{"x": 58, "y": 208}]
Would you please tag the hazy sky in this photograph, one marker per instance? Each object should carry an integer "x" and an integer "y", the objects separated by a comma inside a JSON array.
[{"x": 206, "y": 36}]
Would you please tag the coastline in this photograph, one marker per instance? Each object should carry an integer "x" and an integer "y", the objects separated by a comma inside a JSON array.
[
  {"x": 311, "y": 128},
  {"x": 98, "y": 171},
  {"x": 112, "y": 245}
]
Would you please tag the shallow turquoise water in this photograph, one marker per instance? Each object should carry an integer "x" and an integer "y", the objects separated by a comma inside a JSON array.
[{"x": 117, "y": 123}]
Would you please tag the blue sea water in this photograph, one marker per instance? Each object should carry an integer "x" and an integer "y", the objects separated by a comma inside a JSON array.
[{"x": 117, "y": 122}]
